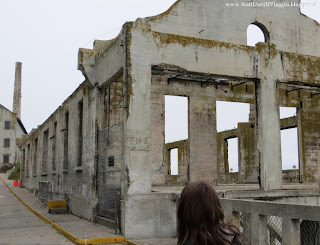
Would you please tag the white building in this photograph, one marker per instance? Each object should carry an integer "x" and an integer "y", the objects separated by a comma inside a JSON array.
[{"x": 11, "y": 128}]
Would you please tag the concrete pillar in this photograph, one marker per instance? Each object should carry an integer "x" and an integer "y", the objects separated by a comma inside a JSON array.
[
  {"x": 202, "y": 133},
  {"x": 269, "y": 133},
  {"x": 17, "y": 91},
  {"x": 258, "y": 229},
  {"x": 290, "y": 231},
  {"x": 137, "y": 131}
]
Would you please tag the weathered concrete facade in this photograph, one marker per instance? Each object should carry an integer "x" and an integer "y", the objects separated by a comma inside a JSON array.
[
  {"x": 11, "y": 129},
  {"x": 60, "y": 151},
  {"x": 197, "y": 49}
]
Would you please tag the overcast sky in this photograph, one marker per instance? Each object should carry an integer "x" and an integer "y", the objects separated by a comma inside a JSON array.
[{"x": 46, "y": 35}]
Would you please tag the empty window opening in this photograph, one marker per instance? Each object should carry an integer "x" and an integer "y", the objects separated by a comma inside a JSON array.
[
  {"x": 28, "y": 160},
  {"x": 289, "y": 149},
  {"x": 54, "y": 146},
  {"x": 7, "y": 125},
  {"x": 174, "y": 161},
  {"x": 45, "y": 150},
  {"x": 80, "y": 132},
  {"x": 233, "y": 160},
  {"x": 286, "y": 112},
  {"x": 257, "y": 33},
  {"x": 5, "y": 158},
  {"x": 35, "y": 156},
  {"x": 229, "y": 114},
  {"x": 23, "y": 162},
  {"x": 66, "y": 142},
  {"x": 176, "y": 118},
  {"x": 6, "y": 143}
]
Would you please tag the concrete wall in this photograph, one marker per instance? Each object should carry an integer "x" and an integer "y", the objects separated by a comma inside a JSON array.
[
  {"x": 71, "y": 180},
  {"x": 213, "y": 20},
  {"x": 310, "y": 138},
  {"x": 109, "y": 58},
  {"x": 202, "y": 124},
  {"x": 247, "y": 155},
  {"x": 183, "y": 163},
  {"x": 158, "y": 212}
]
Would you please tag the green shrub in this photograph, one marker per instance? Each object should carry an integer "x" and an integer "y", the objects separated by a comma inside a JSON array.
[{"x": 15, "y": 175}]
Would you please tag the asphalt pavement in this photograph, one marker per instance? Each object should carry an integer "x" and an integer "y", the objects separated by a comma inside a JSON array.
[{"x": 18, "y": 225}]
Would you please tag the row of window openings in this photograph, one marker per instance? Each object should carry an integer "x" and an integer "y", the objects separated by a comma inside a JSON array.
[
  {"x": 289, "y": 151},
  {"x": 176, "y": 129},
  {"x": 290, "y": 158},
  {"x": 66, "y": 143}
]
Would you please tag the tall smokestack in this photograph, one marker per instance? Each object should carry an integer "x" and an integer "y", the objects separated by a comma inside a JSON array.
[{"x": 17, "y": 91}]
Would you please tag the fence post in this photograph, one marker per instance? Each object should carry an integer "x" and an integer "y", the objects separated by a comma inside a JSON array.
[
  {"x": 290, "y": 231},
  {"x": 258, "y": 229}
]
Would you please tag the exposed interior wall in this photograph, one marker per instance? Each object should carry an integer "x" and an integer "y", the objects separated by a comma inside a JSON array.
[
  {"x": 182, "y": 177},
  {"x": 201, "y": 143},
  {"x": 246, "y": 132},
  {"x": 222, "y": 155},
  {"x": 306, "y": 99},
  {"x": 310, "y": 137}
]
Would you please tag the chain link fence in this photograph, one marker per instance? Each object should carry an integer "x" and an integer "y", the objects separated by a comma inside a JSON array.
[
  {"x": 274, "y": 227},
  {"x": 245, "y": 227},
  {"x": 309, "y": 230}
]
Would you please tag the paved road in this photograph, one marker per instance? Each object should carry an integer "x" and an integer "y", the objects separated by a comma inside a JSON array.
[{"x": 18, "y": 225}]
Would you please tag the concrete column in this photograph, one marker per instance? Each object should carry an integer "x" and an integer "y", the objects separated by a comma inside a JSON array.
[
  {"x": 137, "y": 131},
  {"x": 202, "y": 133},
  {"x": 269, "y": 133},
  {"x": 258, "y": 229},
  {"x": 290, "y": 231},
  {"x": 17, "y": 91}
]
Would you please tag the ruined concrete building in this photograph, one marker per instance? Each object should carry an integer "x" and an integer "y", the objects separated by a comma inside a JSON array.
[
  {"x": 11, "y": 127},
  {"x": 104, "y": 149}
]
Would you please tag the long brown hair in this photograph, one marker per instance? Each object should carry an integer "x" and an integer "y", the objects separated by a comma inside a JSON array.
[{"x": 201, "y": 218}]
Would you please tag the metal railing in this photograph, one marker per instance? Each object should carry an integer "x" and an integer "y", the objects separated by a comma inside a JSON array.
[
  {"x": 44, "y": 193},
  {"x": 272, "y": 223}
]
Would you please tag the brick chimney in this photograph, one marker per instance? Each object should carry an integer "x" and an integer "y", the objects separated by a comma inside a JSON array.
[{"x": 17, "y": 91}]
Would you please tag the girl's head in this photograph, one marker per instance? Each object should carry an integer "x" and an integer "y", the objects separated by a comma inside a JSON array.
[{"x": 200, "y": 216}]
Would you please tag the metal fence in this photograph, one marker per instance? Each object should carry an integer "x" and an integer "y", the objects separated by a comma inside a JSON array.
[
  {"x": 270, "y": 223},
  {"x": 45, "y": 190},
  {"x": 44, "y": 193},
  {"x": 109, "y": 171}
]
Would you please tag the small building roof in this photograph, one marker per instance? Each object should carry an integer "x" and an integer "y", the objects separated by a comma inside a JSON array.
[{"x": 18, "y": 119}]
